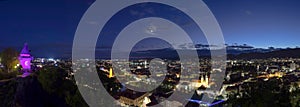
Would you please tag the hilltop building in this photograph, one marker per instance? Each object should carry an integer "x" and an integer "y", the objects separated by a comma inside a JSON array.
[{"x": 25, "y": 61}]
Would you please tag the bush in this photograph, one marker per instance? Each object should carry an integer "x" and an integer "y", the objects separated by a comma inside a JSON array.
[{"x": 4, "y": 75}]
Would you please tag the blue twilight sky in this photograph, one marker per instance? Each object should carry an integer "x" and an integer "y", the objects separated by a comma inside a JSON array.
[{"x": 49, "y": 25}]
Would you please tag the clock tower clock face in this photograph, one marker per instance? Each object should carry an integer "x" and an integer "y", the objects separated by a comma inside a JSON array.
[{"x": 27, "y": 63}]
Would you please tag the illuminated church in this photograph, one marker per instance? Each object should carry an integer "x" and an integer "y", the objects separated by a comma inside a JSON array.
[{"x": 204, "y": 81}]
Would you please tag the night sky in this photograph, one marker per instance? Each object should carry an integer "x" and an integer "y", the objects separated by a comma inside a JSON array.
[{"x": 49, "y": 25}]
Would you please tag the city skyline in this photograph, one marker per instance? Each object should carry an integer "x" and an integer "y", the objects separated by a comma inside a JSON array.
[
  {"x": 139, "y": 53},
  {"x": 49, "y": 26}
]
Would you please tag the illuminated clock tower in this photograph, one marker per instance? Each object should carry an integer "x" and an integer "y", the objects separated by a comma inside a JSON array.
[{"x": 25, "y": 60}]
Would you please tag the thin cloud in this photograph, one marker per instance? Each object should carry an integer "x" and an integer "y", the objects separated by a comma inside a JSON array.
[{"x": 248, "y": 12}]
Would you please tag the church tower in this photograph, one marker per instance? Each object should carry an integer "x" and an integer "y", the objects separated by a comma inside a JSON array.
[
  {"x": 110, "y": 73},
  {"x": 204, "y": 81},
  {"x": 25, "y": 60}
]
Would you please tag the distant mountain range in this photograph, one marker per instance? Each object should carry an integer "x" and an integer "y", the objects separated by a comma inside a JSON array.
[
  {"x": 282, "y": 53},
  {"x": 233, "y": 52}
]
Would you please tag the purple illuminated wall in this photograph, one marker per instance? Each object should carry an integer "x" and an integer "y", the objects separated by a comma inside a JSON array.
[{"x": 25, "y": 63}]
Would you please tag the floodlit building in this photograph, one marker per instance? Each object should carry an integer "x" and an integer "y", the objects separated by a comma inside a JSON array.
[
  {"x": 132, "y": 98},
  {"x": 110, "y": 73},
  {"x": 204, "y": 81},
  {"x": 25, "y": 60}
]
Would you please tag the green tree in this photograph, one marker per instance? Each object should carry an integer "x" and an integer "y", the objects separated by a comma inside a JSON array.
[
  {"x": 52, "y": 79},
  {"x": 75, "y": 100},
  {"x": 9, "y": 58},
  {"x": 54, "y": 82},
  {"x": 271, "y": 93},
  {"x": 295, "y": 96}
]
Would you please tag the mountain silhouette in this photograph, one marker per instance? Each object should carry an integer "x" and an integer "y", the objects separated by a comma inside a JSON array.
[{"x": 283, "y": 53}]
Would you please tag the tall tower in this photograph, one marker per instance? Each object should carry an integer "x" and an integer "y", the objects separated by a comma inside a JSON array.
[
  {"x": 25, "y": 59},
  {"x": 110, "y": 73},
  {"x": 292, "y": 66},
  {"x": 202, "y": 79},
  {"x": 206, "y": 80}
]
